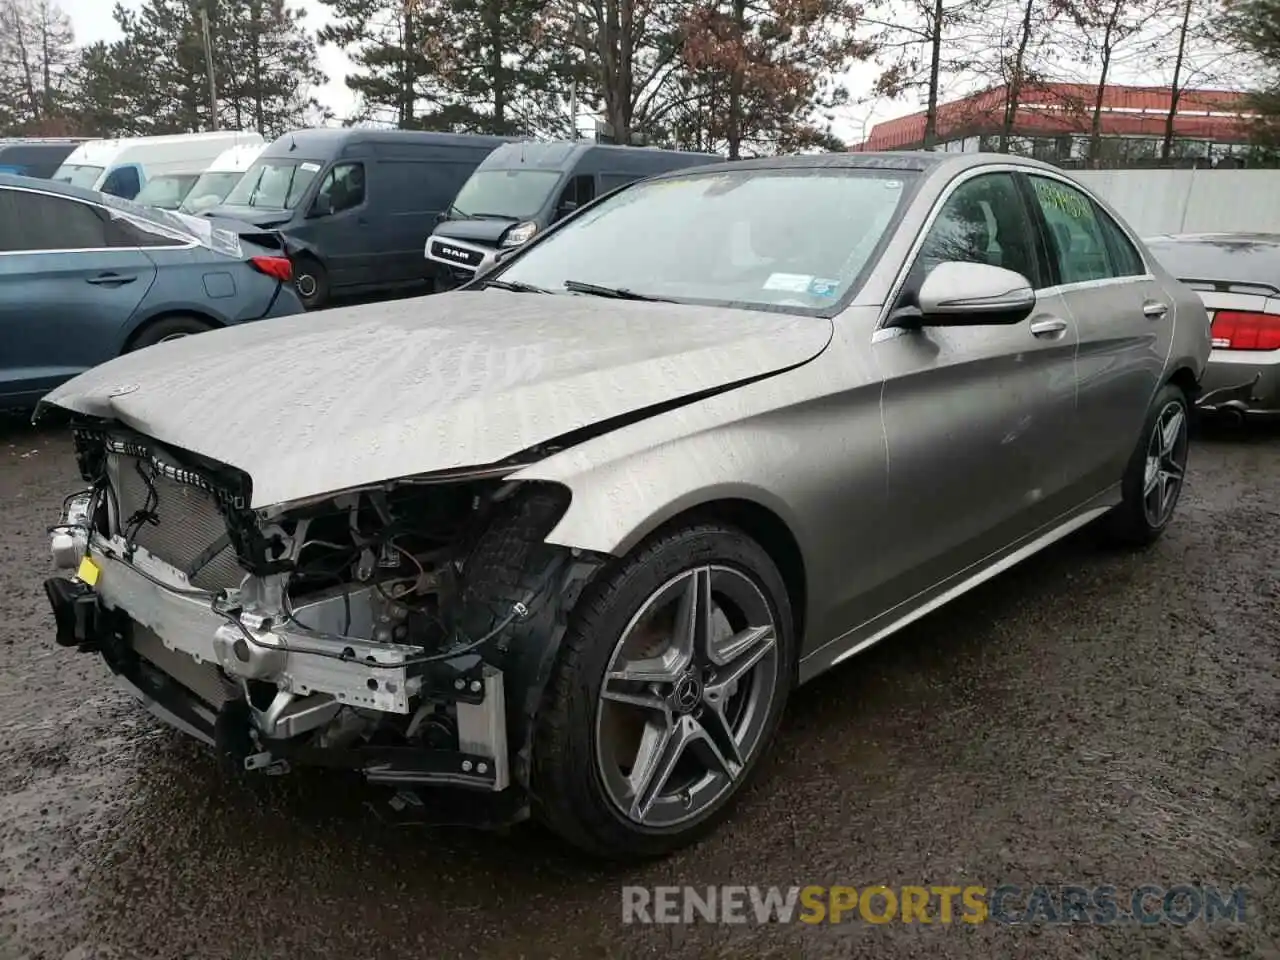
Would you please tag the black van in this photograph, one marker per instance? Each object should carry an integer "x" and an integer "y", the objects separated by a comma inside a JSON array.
[
  {"x": 35, "y": 157},
  {"x": 522, "y": 188},
  {"x": 355, "y": 205}
]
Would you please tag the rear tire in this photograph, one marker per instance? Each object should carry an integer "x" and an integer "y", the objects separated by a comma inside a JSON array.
[
  {"x": 167, "y": 328},
  {"x": 1155, "y": 475},
  {"x": 311, "y": 280},
  {"x": 610, "y": 774}
]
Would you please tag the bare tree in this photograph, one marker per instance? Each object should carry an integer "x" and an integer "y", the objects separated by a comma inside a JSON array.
[
  {"x": 37, "y": 57},
  {"x": 1108, "y": 32},
  {"x": 1200, "y": 56},
  {"x": 920, "y": 43},
  {"x": 628, "y": 54}
]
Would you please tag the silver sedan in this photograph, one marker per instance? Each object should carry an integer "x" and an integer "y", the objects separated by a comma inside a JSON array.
[{"x": 564, "y": 541}]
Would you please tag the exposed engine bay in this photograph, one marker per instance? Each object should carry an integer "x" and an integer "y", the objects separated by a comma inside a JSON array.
[{"x": 390, "y": 630}]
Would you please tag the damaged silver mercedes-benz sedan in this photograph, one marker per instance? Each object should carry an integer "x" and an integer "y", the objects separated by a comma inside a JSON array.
[{"x": 562, "y": 542}]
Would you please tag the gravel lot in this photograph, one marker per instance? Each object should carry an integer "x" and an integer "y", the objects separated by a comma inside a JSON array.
[{"x": 1088, "y": 718}]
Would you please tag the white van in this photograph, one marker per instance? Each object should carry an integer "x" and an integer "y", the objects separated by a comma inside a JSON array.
[
  {"x": 223, "y": 174},
  {"x": 121, "y": 167}
]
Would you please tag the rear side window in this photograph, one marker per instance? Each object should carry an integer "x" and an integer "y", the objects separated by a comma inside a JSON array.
[
  {"x": 1124, "y": 255},
  {"x": 38, "y": 221},
  {"x": 1075, "y": 233}
]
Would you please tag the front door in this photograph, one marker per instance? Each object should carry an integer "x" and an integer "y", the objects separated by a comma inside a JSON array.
[
  {"x": 65, "y": 291},
  {"x": 340, "y": 227},
  {"x": 1125, "y": 321},
  {"x": 975, "y": 417}
]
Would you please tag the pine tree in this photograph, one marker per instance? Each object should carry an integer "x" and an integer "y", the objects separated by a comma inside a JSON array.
[
  {"x": 386, "y": 42},
  {"x": 266, "y": 65},
  {"x": 493, "y": 69}
]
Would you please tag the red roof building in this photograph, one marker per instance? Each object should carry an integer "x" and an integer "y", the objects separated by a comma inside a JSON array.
[{"x": 1054, "y": 120}]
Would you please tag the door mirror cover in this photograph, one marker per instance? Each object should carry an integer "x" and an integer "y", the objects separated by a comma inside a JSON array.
[{"x": 958, "y": 294}]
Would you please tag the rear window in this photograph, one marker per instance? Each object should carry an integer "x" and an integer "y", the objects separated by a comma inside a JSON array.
[
  {"x": 177, "y": 227},
  {"x": 1235, "y": 261}
]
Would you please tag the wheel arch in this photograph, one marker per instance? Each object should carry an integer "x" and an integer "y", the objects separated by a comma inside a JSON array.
[
  {"x": 150, "y": 320},
  {"x": 1184, "y": 377},
  {"x": 746, "y": 510}
]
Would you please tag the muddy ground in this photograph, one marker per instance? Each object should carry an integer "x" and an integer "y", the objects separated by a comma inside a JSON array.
[{"x": 1088, "y": 718}]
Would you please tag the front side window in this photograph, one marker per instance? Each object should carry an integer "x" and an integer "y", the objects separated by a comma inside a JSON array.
[
  {"x": 1075, "y": 232},
  {"x": 274, "y": 184},
  {"x": 984, "y": 220},
  {"x": 32, "y": 222},
  {"x": 122, "y": 182},
  {"x": 797, "y": 239},
  {"x": 578, "y": 192},
  {"x": 505, "y": 194},
  {"x": 341, "y": 189}
]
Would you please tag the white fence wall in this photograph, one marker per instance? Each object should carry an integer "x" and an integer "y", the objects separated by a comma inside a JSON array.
[{"x": 1190, "y": 201}]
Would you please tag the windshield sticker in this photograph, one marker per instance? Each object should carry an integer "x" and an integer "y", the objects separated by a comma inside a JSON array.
[
  {"x": 790, "y": 282},
  {"x": 310, "y": 167},
  {"x": 822, "y": 287}
]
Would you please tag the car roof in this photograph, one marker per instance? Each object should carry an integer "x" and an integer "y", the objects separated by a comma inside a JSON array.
[
  {"x": 332, "y": 139},
  {"x": 50, "y": 186},
  {"x": 920, "y": 161}
]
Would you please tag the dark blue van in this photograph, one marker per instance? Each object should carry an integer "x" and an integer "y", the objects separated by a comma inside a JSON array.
[
  {"x": 522, "y": 188},
  {"x": 355, "y": 205}
]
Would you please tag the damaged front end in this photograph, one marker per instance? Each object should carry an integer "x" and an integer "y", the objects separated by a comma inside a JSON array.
[{"x": 404, "y": 631}]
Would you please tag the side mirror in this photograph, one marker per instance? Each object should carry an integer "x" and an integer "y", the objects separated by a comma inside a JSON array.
[
  {"x": 958, "y": 294},
  {"x": 566, "y": 207},
  {"x": 322, "y": 207}
]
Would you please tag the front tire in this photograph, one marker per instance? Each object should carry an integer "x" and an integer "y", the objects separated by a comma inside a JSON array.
[
  {"x": 668, "y": 689},
  {"x": 1155, "y": 475}
]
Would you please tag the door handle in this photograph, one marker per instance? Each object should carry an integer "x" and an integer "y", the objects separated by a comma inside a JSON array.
[
  {"x": 110, "y": 280},
  {"x": 1050, "y": 329},
  {"x": 1154, "y": 309}
]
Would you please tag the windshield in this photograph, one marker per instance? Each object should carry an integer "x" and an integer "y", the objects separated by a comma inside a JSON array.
[
  {"x": 509, "y": 194},
  {"x": 77, "y": 174},
  {"x": 167, "y": 191},
  {"x": 274, "y": 184},
  {"x": 797, "y": 238},
  {"x": 209, "y": 191}
]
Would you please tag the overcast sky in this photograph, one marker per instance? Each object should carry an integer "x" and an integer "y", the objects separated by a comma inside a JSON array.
[{"x": 92, "y": 20}]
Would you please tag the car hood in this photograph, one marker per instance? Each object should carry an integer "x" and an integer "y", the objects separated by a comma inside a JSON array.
[
  {"x": 254, "y": 216},
  {"x": 320, "y": 402},
  {"x": 486, "y": 232}
]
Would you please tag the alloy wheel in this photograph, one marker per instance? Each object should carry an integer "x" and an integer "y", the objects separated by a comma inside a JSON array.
[
  {"x": 306, "y": 285},
  {"x": 1166, "y": 464},
  {"x": 686, "y": 696}
]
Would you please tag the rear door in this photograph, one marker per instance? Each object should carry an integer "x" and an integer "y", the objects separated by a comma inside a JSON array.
[
  {"x": 1125, "y": 321},
  {"x": 65, "y": 291},
  {"x": 975, "y": 416}
]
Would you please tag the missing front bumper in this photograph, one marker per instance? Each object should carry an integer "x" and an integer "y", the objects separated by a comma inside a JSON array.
[{"x": 176, "y": 688}]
